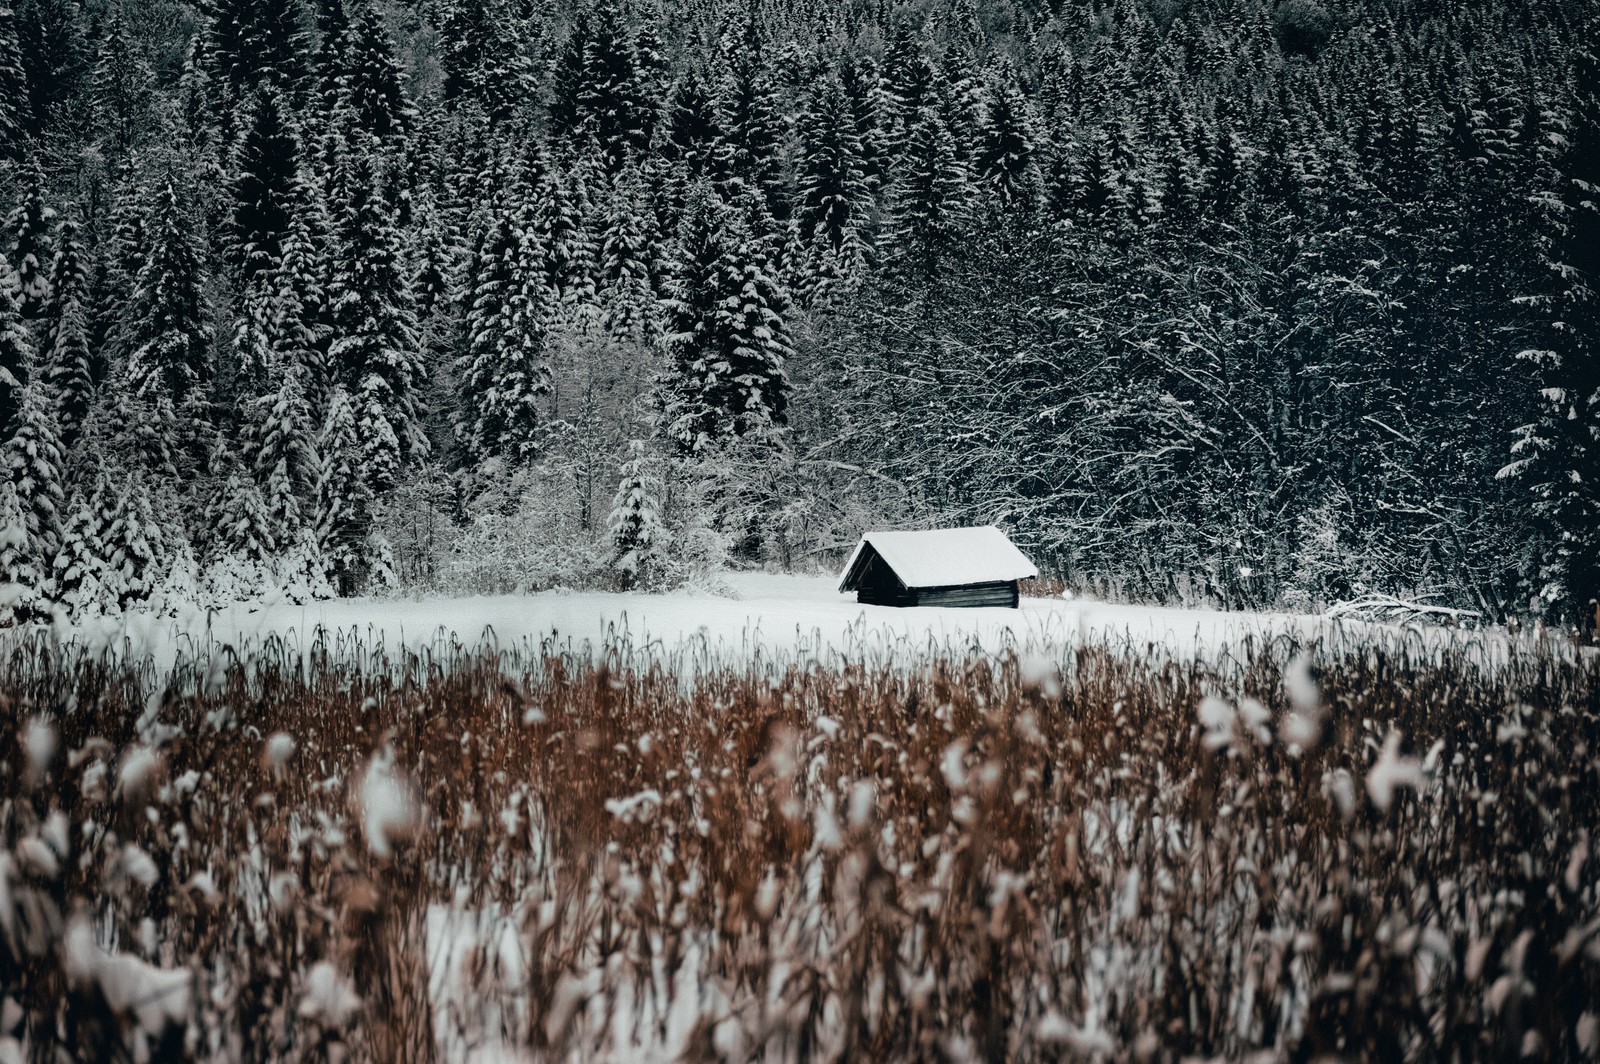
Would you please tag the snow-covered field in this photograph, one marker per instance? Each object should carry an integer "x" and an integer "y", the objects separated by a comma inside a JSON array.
[
  {"x": 777, "y": 613},
  {"x": 773, "y": 616}
]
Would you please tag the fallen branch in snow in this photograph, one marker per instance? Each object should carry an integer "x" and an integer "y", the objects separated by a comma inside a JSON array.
[{"x": 1388, "y": 607}]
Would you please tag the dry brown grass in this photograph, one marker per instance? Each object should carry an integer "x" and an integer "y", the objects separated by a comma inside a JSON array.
[{"x": 956, "y": 861}]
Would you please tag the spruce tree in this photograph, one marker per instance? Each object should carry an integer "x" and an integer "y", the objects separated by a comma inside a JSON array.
[
  {"x": 1006, "y": 146},
  {"x": 614, "y": 105},
  {"x": 134, "y": 545},
  {"x": 1558, "y": 454},
  {"x": 253, "y": 43},
  {"x": 29, "y": 227},
  {"x": 342, "y": 511},
  {"x": 374, "y": 352},
  {"x": 264, "y": 187},
  {"x": 304, "y": 315},
  {"x": 16, "y": 350},
  {"x": 241, "y": 543},
  {"x": 692, "y": 132},
  {"x": 503, "y": 372},
  {"x": 24, "y": 587},
  {"x": 69, "y": 277},
  {"x": 726, "y": 340},
  {"x": 123, "y": 90},
  {"x": 285, "y": 463},
  {"x": 482, "y": 57},
  {"x": 756, "y": 339},
  {"x": 638, "y": 535},
  {"x": 930, "y": 202},
  {"x": 167, "y": 332},
  {"x": 626, "y": 247},
  {"x": 69, "y": 368},
  {"x": 835, "y": 195},
  {"x": 55, "y": 62},
  {"x": 35, "y": 467},
  {"x": 369, "y": 80},
  {"x": 13, "y": 89},
  {"x": 79, "y": 567},
  {"x": 752, "y": 132}
]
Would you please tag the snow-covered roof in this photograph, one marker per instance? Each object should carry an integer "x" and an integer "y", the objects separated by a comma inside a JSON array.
[{"x": 941, "y": 557}]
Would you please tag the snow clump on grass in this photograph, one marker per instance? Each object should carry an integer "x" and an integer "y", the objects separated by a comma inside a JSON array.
[
  {"x": 329, "y": 999},
  {"x": 388, "y": 809},
  {"x": 278, "y": 750},
  {"x": 1301, "y": 728},
  {"x": 1391, "y": 772},
  {"x": 39, "y": 745}
]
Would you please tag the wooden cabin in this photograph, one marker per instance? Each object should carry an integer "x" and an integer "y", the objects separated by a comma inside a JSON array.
[{"x": 940, "y": 567}]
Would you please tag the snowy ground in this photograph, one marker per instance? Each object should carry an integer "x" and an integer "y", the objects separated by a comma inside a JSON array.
[
  {"x": 766, "y": 614},
  {"x": 776, "y": 613}
]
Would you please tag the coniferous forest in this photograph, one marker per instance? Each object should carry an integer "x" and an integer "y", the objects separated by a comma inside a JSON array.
[{"x": 1226, "y": 301}]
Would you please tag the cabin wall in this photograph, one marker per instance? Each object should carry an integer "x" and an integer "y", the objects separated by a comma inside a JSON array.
[{"x": 1005, "y": 594}]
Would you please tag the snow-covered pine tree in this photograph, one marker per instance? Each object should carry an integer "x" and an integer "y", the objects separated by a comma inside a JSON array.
[
  {"x": 35, "y": 468},
  {"x": 748, "y": 116},
  {"x": 251, "y": 43},
  {"x": 482, "y": 57},
  {"x": 906, "y": 85},
  {"x": 369, "y": 81},
  {"x": 755, "y": 308},
  {"x": 69, "y": 277},
  {"x": 123, "y": 89},
  {"x": 166, "y": 327},
  {"x": 692, "y": 132},
  {"x": 285, "y": 460},
  {"x": 116, "y": 266},
  {"x": 24, "y": 593},
  {"x": 16, "y": 349},
  {"x": 50, "y": 37},
  {"x": 304, "y": 315},
  {"x": 254, "y": 335},
  {"x": 241, "y": 544},
  {"x": 554, "y": 219},
  {"x": 374, "y": 350},
  {"x": 69, "y": 366},
  {"x": 726, "y": 340},
  {"x": 692, "y": 341},
  {"x": 13, "y": 88},
  {"x": 613, "y": 105},
  {"x": 264, "y": 187},
  {"x": 626, "y": 246},
  {"x": 1006, "y": 142},
  {"x": 342, "y": 515},
  {"x": 835, "y": 195},
  {"x": 29, "y": 227},
  {"x": 639, "y": 538},
  {"x": 1558, "y": 455},
  {"x": 930, "y": 201},
  {"x": 78, "y": 569},
  {"x": 503, "y": 373},
  {"x": 135, "y": 551}
]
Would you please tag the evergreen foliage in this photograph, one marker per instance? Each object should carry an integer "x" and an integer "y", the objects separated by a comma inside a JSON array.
[
  {"x": 16, "y": 349},
  {"x": 13, "y": 88},
  {"x": 638, "y": 536},
  {"x": 167, "y": 331},
  {"x": 28, "y": 226},
  {"x": 503, "y": 373}
]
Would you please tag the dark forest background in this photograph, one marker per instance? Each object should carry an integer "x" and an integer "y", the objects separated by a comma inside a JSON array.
[{"x": 1231, "y": 302}]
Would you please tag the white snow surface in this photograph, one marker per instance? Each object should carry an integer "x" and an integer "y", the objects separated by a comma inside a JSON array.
[
  {"x": 945, "y": 557},
  {"x": 769, "y": 614},
  {"x": 761, "y": 617}
]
